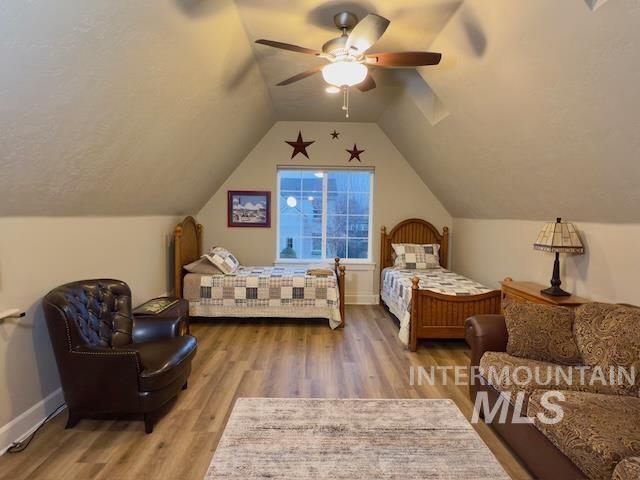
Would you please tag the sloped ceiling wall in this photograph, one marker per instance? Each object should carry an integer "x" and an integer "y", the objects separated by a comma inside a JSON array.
[
  {"x": 146, "y": 107},
  {"x": 544, "y": 112},
  {"x": 123, "y": 107}
]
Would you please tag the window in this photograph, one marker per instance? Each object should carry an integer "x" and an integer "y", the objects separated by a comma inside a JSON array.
[{"x": 324, "y": 214}]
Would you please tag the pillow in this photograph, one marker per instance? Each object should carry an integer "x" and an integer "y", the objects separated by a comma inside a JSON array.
[
  {"x": 608, "y": 335},
  {"x": 203, "y": 266},
  {"x": 414, "y": 256},
  {"x": 223, "y": 259},
  {"x": 541, "y": 332}
]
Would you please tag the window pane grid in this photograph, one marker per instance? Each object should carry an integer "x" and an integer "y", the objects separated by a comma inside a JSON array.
[{"x": 322, "y": 224}]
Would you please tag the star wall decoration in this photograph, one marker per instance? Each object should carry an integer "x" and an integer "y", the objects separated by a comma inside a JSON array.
[
  {"x": 335, "y": 135},
  {"x": 355, "y": 153},
  {"x": 299, "y": 146}
]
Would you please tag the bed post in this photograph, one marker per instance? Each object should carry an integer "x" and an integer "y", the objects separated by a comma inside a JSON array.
[
  {"x": 415, "y": 317},
  {"x": 177, "y": 262},
  {"x": 381, "y": 265},
  {"x": 199, "y": 229},
  {"x": 340, "y": 273},
  {"x": 444, "y": 248}
]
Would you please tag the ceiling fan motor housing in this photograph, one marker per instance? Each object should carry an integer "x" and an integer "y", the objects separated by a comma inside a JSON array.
[
  {"x": 343, "y": 21},
  {"x": 336, "y": 46}
]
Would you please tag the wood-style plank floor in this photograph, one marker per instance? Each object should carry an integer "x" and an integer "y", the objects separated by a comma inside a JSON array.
[{"x": 235, "y": 359}]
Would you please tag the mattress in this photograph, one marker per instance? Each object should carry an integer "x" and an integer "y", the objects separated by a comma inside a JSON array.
[
  {"x": 264, "y": 292},
  {"x": 397, "y": 289}
]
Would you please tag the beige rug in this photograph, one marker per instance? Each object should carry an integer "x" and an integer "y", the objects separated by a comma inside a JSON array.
[{"x": 297, "y": 439}]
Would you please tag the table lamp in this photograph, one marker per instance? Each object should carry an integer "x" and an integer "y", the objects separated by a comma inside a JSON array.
[{"x": 558, "y": 237}]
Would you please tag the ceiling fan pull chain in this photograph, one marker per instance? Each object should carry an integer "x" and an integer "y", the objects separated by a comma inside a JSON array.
[{"x": 345, "y": 106}]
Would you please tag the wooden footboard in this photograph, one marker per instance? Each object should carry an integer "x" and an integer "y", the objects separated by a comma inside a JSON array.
[
  {"x": 434, "y": 315},
  {"x": 340, "y": 273}
]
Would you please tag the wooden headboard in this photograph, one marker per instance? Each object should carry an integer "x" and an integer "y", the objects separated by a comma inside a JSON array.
[
  {"x": 187, "y": 245},
  {"x": 413, "y": 230}
]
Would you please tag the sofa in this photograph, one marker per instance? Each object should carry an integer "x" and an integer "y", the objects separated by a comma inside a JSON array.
[
  {"x": 110, "y": 361},
  {"x": 597, "y": 435}
]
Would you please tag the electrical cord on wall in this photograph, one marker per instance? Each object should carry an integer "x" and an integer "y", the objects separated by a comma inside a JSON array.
[{"x": 17, "y": 447}]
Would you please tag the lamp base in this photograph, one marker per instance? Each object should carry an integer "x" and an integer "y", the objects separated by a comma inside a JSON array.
[{"x": 555, "y": 292}]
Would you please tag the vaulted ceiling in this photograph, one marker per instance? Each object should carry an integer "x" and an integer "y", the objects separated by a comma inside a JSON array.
[
  {"x": 146, "y": 107},
  {"x": 123, "y": 107}
]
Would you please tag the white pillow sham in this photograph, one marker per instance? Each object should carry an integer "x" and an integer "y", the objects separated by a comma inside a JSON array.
[{"x": 223, "y": 259}]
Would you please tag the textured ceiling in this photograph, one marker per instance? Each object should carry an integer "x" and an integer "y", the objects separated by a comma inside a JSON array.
[
  {"x": 144, "y": 107},
  {"x": 543, "y": 112},
  {"x": 123, "y": 107}
]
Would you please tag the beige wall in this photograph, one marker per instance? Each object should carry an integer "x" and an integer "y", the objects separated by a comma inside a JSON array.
[
  {"x": 489, "y": 250},
  {"x": 398, "y": 193},
  {"x": 38, "y": 254}
]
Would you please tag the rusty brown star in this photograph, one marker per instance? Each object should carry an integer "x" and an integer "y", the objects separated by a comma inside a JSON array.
[
  {"x": 355, "y": 153},
  {"x": 299, "y": 146},
  {"x": 335, "y": 135}
]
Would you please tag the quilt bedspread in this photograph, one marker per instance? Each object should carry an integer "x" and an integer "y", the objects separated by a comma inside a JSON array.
[
  {"x": 269, "y": 292},
  {"x": 397, "y": 289}
]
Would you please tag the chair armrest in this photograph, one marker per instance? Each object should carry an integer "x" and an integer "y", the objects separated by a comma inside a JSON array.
[
  {"x": 150, "y": 328},
  {"x": 485, "y": 333},
  {"x": 106, "y": 378}
]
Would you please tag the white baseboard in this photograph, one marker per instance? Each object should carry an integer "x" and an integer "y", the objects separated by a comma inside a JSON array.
[
  {"x": 361, "y": 299},
  {"x": 24, "y": 424}
]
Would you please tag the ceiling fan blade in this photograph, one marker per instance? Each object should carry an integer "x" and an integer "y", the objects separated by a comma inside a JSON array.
[
  {"x": 403, "y": 59},
  {"x": 367, "y": 32},
  {"x": 300, "y": 76},
  {"x": 288, "y": 46},
  {"x": 368, "y": 84}
]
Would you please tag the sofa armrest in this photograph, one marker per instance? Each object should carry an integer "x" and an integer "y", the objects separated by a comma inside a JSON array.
[
  {"x": 485, "y": 333},
  {"x": 150, "y": 328}
]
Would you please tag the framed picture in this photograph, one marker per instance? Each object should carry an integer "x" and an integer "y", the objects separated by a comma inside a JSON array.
[{"x": 248, "y": 209}]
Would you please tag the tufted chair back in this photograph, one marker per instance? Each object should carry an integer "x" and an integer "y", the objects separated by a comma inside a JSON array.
[{"x": 95, "y": 313}]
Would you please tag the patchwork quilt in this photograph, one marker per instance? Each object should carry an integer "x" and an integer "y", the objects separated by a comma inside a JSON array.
[
  {"x": 397, "y": 289},
  {"x": 269, "y": 292}
]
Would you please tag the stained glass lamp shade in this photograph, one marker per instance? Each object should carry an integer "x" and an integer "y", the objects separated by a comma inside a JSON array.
[{"x": 558, "y": 237}]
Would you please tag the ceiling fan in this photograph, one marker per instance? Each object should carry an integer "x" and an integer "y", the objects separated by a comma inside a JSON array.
[{"x": 349, "y": 61}]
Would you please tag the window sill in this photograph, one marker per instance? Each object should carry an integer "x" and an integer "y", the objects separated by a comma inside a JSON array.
[{"x": 353, "y": 265}]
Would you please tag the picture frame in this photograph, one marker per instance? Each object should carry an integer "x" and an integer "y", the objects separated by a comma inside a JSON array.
[{"x": 248, "y": 208}]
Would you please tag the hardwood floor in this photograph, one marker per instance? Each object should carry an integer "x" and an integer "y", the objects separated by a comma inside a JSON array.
[{"x": 268, "y": 359}]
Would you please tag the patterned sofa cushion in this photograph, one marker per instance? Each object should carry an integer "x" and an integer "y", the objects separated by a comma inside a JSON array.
[
  {"x": 223, "y": 259},
  {"x": 609, "y": 335},
  {"x": 627, "y": 469},
  {"x": 541, "y": 332},
  {"x": 515, "y": 375},
  {"x": 414, "y": 256},
  {"x": 596, "y": 431}
]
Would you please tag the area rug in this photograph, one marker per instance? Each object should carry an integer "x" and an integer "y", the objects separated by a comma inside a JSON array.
[{"x": 274, "y": 438}]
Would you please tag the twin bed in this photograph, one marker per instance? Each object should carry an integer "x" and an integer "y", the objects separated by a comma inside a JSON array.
[
  {"x": 252, "y": 292},
  {"x": 429, "y": 303}
]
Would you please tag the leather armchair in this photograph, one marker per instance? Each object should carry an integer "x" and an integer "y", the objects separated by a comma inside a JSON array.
[{"x": 110, "y": 361}]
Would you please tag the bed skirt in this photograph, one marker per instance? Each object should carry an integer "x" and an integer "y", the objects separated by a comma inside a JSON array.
[{"x": 198, "y": 309}]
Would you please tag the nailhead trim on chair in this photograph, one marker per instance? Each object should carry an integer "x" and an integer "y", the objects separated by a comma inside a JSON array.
[{"x": 114, "y": 353}]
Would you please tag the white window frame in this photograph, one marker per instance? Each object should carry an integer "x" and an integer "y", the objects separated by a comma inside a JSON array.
[{"x": 325, "y": 194}]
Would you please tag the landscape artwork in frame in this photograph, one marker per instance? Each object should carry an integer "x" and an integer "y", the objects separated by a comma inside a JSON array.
[{"x": 249, "y": 209}]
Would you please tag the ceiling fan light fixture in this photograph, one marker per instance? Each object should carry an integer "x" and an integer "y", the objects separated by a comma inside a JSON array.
[{"x": 344, "y": 73}]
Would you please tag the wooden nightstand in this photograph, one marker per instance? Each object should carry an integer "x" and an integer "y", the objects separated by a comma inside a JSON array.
[{"x": 530, "y": 291}]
